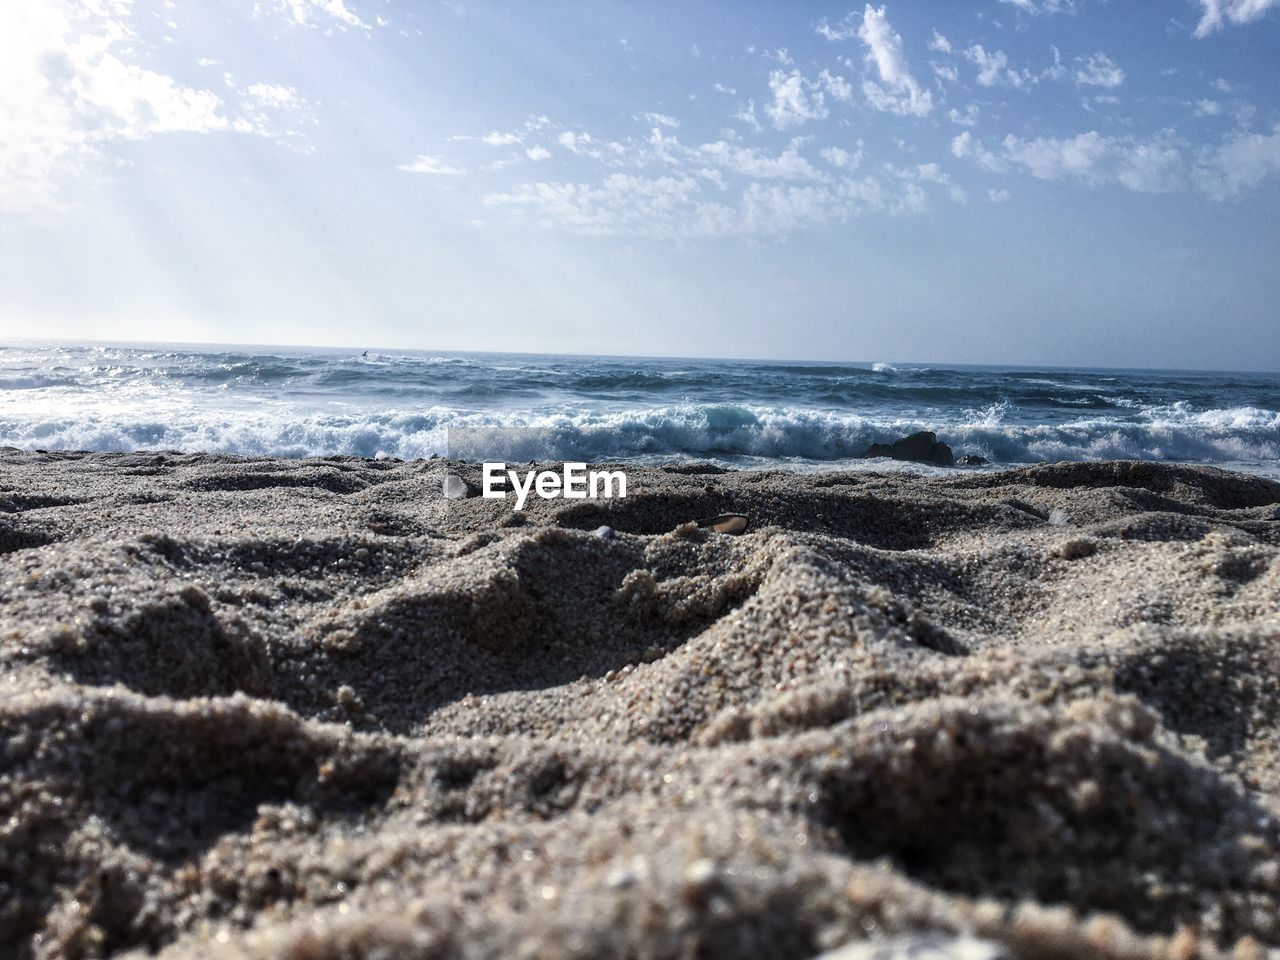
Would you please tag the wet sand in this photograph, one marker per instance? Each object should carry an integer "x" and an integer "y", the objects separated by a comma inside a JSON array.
[{"x": 313, "y": 709}]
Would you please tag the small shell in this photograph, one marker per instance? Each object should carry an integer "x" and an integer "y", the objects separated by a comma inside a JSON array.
[{"x": 731, "y": 523}]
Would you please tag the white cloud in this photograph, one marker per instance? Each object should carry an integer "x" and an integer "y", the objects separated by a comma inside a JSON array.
[
  {"x": 584, "y": 145},
  {"x": 1207, "y": 108},
  {"x": 676, "y": 207},
  {"x": 656, "y": 186},
  {"x": 1242, "y": 162},
  {"x": 1057, "y": 71},
  {"x": 620, "y": 204},
  {"x": 795, "y": 101},
  {"x": 757, "y": 163},
  {"x": 967, "y": 119},
  {"x": 1099, "y": 70},
  {"x": 897, "y": 90},
  {"x": 68, "y": 90},
  {"x": 662, "y": 120},
  {"x": 844, "y": 30},
  {"x": 719, "y": 87},
  {"x": 837, "y": 86},
  {"x": 1146, "y": 166},
  {"x": 747, "y": 114},
  {"x": 842, "y": 158},
  {"x": 965, "y": 146},
  {"x": 428, "y": 165},
  {"x": 537, "y": 153},
  {"x": 932, "y": 173},
  {"x": 1218, "y": 12},
  {"x": 659, "y": 187},
  {"x": 497, "y": 138},
  {"x": 945, "y": 72},
  {"x": 309, "y": 12},
  {"x": 1042, "y": 6},
  {"x": 939, "y": 43},
  {"x": 1153, "y": 165},
  {"x": 272, "y": 95},
  {"x": 994, "y": 69}
]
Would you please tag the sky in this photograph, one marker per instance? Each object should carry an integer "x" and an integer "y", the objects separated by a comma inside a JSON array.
[{"x": 1069, "y": 182}]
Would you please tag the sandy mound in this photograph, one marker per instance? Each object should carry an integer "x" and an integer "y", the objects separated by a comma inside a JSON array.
[{"x": 313, "y": 709}]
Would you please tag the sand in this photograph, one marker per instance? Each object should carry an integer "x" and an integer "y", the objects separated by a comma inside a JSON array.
[{"x": 313, "y": 709}]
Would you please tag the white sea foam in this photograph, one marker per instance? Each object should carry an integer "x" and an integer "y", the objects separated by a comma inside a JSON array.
[
  {"x": 298, "y": 403},
  {"x": 715, "y": 431}
]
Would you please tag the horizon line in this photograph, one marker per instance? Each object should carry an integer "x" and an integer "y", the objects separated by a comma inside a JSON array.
[{"x": 618, "y": 356}]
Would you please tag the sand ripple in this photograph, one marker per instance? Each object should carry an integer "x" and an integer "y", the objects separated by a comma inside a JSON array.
[{"x": 312, "y": 709}]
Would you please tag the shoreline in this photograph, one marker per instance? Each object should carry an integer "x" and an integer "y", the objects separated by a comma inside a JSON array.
[
  {"x": 259, "y": 707},
  {"x": 1265, "y": 469}
]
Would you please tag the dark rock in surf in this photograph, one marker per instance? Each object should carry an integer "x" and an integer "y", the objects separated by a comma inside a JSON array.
[{"x": 922, "y": 447}]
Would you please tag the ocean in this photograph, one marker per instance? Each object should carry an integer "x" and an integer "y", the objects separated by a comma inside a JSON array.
[{"x": 299, "y": 402}]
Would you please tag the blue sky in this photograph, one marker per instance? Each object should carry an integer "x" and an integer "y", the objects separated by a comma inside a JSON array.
[{"x": 1046, "y": 181}]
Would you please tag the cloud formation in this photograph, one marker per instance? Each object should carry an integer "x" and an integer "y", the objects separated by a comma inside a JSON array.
[
  {"x": 69, "y": 87},
  {"x": 273, "y": 95},
  {"x": 1154, "y": 165},
  {"x": 1157, "y": 164},
  {"x": 1099, "y": 70},
  {"x": 1145, "y": 166},
  {"x": 659, "y": 186},
  {"x": 795, "y": 100},
  {"x": 896, "y": 90},
  {"x": 314, "y": 12},
  {"x": 994, "y": 69},
  {"x": 1042, "y": 6},
  {"x": 1217, "y": 13},
  {"x": 679, "y": 206},
  {"x": 431, "y": 166},
  {"x": 76, "y": 78},
  {"x": 1242, "y": 162}
]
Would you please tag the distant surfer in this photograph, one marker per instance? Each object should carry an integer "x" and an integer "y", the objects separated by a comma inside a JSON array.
[{"x": 364, "y": 355}]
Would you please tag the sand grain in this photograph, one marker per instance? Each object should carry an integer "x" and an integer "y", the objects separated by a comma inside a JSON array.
[{"x": 314, "y": 709}]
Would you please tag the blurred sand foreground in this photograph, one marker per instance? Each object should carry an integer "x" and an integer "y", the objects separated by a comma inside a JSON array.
[{"x": 313, "y": 709}]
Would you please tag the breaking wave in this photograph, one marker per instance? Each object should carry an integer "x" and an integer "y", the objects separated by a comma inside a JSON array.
[
  {"x": 722, "y": 432},
  {"x": 295, "y": 402}
]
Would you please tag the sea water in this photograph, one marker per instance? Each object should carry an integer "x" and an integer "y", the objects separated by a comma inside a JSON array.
[{"x": 297, "y": 402}]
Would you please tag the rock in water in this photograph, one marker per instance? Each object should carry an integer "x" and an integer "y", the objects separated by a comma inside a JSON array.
[
  {"x": 922, "y": 447},
  {"x": 971, "y": 460}
]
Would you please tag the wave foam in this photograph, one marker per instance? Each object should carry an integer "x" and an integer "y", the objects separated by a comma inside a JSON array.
[{"x": 722, "y": 431}]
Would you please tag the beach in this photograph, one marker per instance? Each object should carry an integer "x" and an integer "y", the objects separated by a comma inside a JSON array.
[{"x": 312, "y": 708}]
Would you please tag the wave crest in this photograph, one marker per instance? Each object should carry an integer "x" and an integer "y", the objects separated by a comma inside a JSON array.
[{"x": 722, "y": 431}]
